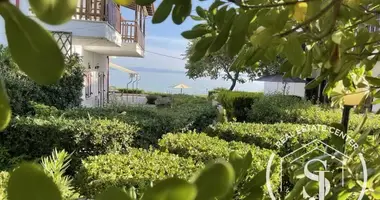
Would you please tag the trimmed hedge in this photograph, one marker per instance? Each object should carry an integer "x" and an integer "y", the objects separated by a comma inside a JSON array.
[
  {"x": 33, "y": 138},
  {"x": 288, "y": 109},
  {"x": 267, "y": 135},
  {"x": 203, "y": 148},
  {"x": 154, "y": 122},
  {"x": 137, "y": 168},
  {"x": 238, "y": 104}
]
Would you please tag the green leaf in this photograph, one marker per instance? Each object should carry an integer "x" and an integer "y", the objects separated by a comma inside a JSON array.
[
  {"x": 162, "y": 12},
  {"x": 198, "y": 55},
  {"x": 314, "y": 83},
  {"x": 377, "y": 101},
  {"x": 113, "y": 193},
  {"x": 337, "y": 37},
  {"x": 308, "y": 68},
  {"x": 336, "y": 141},
  {"x": 54, "y": 12},
  {"x": 296, "y": 191},
  {"x": 5, "y": 108},
  {"x": 281, "y": 20},
  {"x": 313, "y": 8},
  {"x": 256, "y": 182},
  {"x": 237, "y": 163},
  {"x": 33, "y": 182},
  {"x": 262, "y": 37},
  {"x": 215, "y": 180},
  {"x": 373, "y": 80},
  {"x": 196, "y": 18},
  {"x": 293, "y": 51},
  {"x": 144, "y": 2},
  {"x": 201, "y": 12},
  {"x": 171, "y": 189},
  {"x": 362, "y": 36},
  {"x": 33, "y": 48},
  {"x": 222, "y": 36},
  {"x": 204, "y": 43},
  {"x": 221, "y": 16},
  {"x": 286, "y": 67},
  {"x": 215, "y": 5},
  {"x": 180, "y": 13},
  {"x": 195, "y": 33},
  {"x": 239, "y": 32},
  {"x": 257, "y": 194}
]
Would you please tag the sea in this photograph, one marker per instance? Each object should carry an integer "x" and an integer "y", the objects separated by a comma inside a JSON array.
[{"x": 163, "y": 81}]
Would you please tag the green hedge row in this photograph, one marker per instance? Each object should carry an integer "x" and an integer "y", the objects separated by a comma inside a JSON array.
[
  {"x": 136, "y": 168},
  {"x": 269, "y": 135},
  {"x": 287, "y": 109},
  {"x": 154, "y": 122},
  {"x": 203, "y": 148},
  {"x": 31, "y": 138},
  {"x": 130, "y": 91},
  {"x": 238, "y": 104}
]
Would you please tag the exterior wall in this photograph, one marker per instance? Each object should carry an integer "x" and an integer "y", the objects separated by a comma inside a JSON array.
[
  {"x": 297, "y": 89},
  {"x": 96, "y": 75}
]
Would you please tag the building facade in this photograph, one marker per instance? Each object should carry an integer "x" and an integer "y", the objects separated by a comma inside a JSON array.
[{"x": 96, "y": 32}]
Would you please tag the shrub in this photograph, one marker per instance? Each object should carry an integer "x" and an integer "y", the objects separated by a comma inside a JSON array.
[
  {"x": 238, "y": 104},
  {"x": 288, "y": 109},
  {"x": 203, "y": 148},
  {"x": 43, "y": 110},
  {"x": 130, "y": 91},
  {"x": 151, "y": 99},
  {"x": 137, "y": 168},
  {"x": 4, "y": 176},
  {"x": 276, "y": 108},
  {"x": 267, "y": 135},
  {"x": 66, "y": 93},
  {"x": 154, "y": 122},
  {"x": 36, "y": 137}
]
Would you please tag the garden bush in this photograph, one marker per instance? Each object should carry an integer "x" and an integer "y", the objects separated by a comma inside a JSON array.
[
  {"x": 203, "y": 148},
  {"x": 276, "y": 108},
  {"x": 288, "y": 109},
  {"x": 154, "y": 122},
  {"x": 151, "y": 99},
  {"x": 66, "y": 93},
  {"x": 136, "y": 168},
  {"x": 267, "y": 135},
  {"x": 32, "y": 138},
  {"x": 238, "y": 104},
  {"x": 130, "y": 91}
]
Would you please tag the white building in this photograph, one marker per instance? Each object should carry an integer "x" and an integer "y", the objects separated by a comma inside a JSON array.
[
  {"x": 97, "y": 31},
  {"x": 288, "y": 86}
]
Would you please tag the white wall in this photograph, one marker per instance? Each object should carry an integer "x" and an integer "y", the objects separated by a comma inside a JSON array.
[
  {"x": 90, "y": 60},
  {"x": 297, "y": 89}
]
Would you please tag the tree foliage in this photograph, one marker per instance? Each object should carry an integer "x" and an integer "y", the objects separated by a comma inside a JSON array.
[{"x": 215, "y": 65}]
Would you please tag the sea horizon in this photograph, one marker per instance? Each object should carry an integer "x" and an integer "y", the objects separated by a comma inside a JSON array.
[{"x": 159, "y": 80}]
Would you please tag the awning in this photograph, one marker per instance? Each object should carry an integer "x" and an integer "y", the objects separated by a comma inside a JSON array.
[{"x": 123, "y": 69}]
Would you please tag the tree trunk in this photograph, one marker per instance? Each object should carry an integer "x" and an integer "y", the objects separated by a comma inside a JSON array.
[{"x": 233, "y": 84}]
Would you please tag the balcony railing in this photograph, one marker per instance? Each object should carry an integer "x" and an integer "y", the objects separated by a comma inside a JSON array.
[
  {"x": 99, "y": 10},
  {"x": 132, "y": 33}
]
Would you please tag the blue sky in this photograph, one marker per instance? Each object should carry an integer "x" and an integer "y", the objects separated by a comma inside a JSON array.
[{"x": 164, "y": 38}]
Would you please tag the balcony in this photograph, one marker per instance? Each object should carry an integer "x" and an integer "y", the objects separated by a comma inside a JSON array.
[{"x": 98, "y": 26}]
